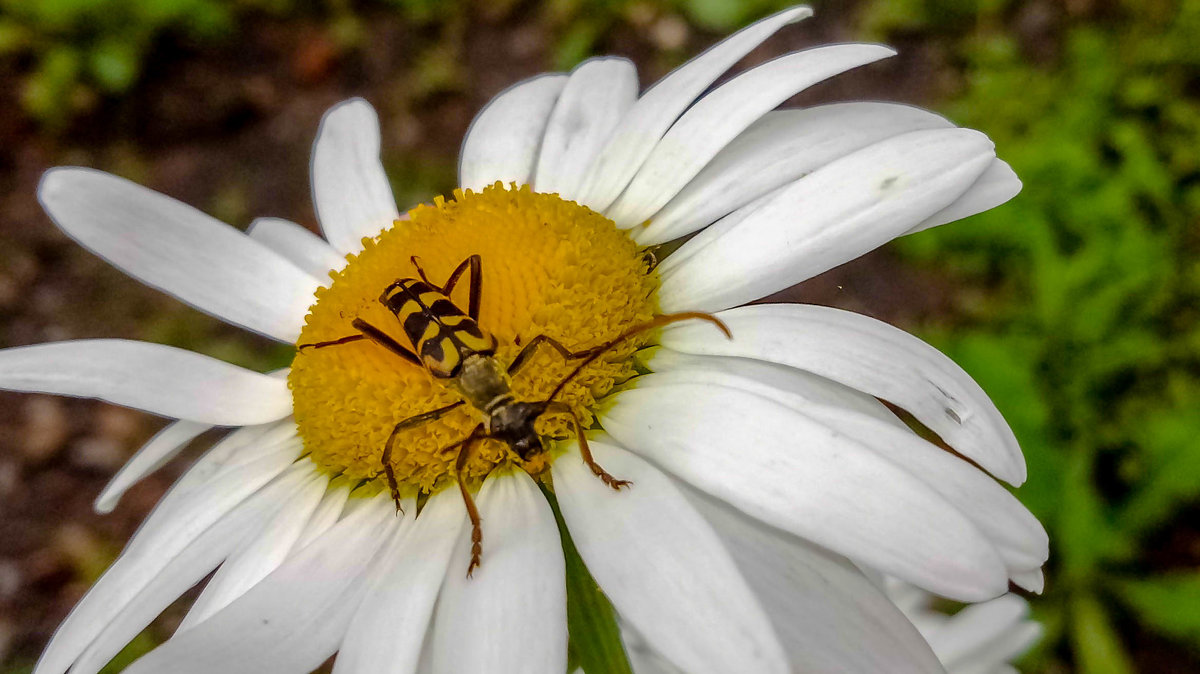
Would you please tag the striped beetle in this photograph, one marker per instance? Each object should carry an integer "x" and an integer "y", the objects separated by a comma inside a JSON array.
[{"x": 450, "y": 345}]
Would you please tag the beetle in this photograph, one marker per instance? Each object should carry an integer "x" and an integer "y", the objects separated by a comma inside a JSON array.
[{"x": 450, "y": 345}]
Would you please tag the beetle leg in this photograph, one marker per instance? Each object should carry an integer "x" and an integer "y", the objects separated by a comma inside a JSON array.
[
  {"x": 545, "y": 339},
  {"x": 464, "y": 455},
  {"x": 370, "y": 332},
  {"x": 586, "y": 451},
  {"x": 656, "y": 322},
  {"x": 390, "y": 445}
]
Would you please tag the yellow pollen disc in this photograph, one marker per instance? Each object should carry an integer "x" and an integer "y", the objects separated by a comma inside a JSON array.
[{"x": 549, "y": 267}]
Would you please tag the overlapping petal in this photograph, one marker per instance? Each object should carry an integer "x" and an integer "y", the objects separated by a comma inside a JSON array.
[
  {"x": 257, "y": 558},
  {"x": 1008, "y": 525},
  {"x": 979, "y": 639},
  {"x": 305, "y": 249},
  {"x": 663, "y": 567},
  {"x": 856, "y": 628},
  {"x": 716, "y": 119},
  {"x": 780, "y": 148},
  {"x": 182, "y": 517},
  {"x": 511, "y": 616},
  {"x": 991, "y": 632},
  {"x": 658, "y": 108},
  {"x": 502, "y": 143},
  {"x": 786, "y": 468},
  {"x": 875, "y": 358},
  {"x": 173, "y": 247},
  {"x": 160, "y": 449},
  {"x": 596, "y": 96},
  {"x": 838, "y": 212},
  {"x": 390, "y": 627},
  {"x": 291, "y": 621},
  {"x": 183, "y": 570},
  {"x": 329, "y": 511},
  {"x": 997, "y": 185}
]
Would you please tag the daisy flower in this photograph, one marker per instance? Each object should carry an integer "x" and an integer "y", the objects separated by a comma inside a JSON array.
[{"x": 761, "y": 469}]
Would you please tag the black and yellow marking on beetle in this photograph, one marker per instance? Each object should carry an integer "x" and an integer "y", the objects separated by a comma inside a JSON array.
[
  {"x": 450, "y": 345},
  {"x": 441, "y": 334}
]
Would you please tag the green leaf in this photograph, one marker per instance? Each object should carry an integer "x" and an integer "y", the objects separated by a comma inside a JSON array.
[
  {"x": 115, "y": 64},
  {"x": 1169, "y": 447},
  {"x": 13, "y": 36},
  {"x": 577, "y": 42},
  {"x": 141, "y": 645},
  {"x": 1097, "y": 647},
  {"x": 47, "y": 91},
  {"x": 595, "y": 639},
  {"x": 727, "y": 15},
  {"x": 1084, "y": 537},
  {"x": 1167, "y": 603}
]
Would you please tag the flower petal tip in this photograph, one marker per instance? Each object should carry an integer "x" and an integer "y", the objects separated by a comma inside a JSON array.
[{"x": 798, "y": 13}]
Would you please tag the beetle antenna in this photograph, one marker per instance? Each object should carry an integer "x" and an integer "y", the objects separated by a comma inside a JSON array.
[{"x": 656, "y": 322}]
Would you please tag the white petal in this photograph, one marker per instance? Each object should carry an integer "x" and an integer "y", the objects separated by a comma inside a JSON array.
[
  {"x": 260, "y": 556},
  {"x": 294, "y": 619},
  {"x": 647, "y": 662},
  {"x": 997, "y": 185},
  {"x": 781, "y": 147},
  {"x": 176, "y": 248},
  {"x": 663, "y": 567},
  {"x": 389, "y": 629},
  {"x": 662, "y": 104},
  {"x": 239, "y": 448},
  {"x": 829, "y": 616},
  {"x": 188, "y": 567},
  {"x": 994, "y": 657},
  {"x": 511, "y": 616},
  {"x": 875, "y": 358},
  {"x": 503, "y": 140},
  {"x": 327, "y": 514},
  {"x": 351, "y": 193},
  {"x": 174, "y": 524},
  {"x": 305, "y": 249},
  {"x": 970, "y": 631},
  {"x": 717, "y": 118},
  {"x": 642, "y": 658},
  {"x": 180, "y": 518},
  {"x": 1009, "y": 526},
  {"x": 160, "y": 449},
  {"x": 151, "y": 377},
  {"x": 789, "y": 470},
  {"x": 838, "y": 212},
  {"x": 1014, "y": 531},
  {"x": 597, "y": 95},
  {"x": 1032, "y": 580},
  {"x": 671, "y": 366}
]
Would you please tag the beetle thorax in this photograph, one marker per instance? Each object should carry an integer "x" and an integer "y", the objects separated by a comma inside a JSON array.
[{"x": 482, "y": 381}]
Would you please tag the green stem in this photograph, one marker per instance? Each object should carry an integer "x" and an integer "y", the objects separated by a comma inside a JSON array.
[{"x": 594, "y": 643}]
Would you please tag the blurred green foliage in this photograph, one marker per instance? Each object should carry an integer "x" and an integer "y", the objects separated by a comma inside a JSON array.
[
  {"x": 584, "y": 22},
  {"x": 1090, "y": 339},
  {"x": 70, "y": 53},
  {"x": 75, "y": 49}
]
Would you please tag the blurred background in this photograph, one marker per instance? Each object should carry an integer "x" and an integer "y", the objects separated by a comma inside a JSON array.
[{"x": 1076, "y": 306}]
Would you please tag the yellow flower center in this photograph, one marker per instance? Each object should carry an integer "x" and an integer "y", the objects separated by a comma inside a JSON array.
[{"x": 549, "y": 267}]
